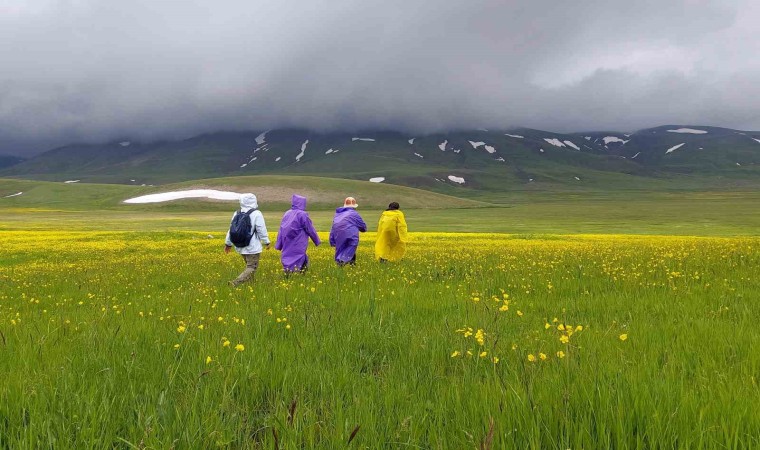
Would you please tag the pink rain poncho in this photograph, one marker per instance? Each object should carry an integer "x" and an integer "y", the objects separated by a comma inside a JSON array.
[
  {"x": 293, "y": 239},
  {"x": 344, "y": 235}
]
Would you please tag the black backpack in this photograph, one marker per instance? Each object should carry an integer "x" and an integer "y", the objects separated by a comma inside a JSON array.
[{"x": 241, "y": 230}]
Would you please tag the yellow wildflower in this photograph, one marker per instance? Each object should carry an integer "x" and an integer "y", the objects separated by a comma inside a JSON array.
[
  {"x": 480, "y": 337},
  {"x": 623, "y": 337},
  {"x": 181, "y": 329},
  {"x": 564, "y": 339},
  {"x": 531, "y": 358},
  {"x": 560, "y": 354},
  {"x": 208, "y": 360},
  {"x": 240, "y": 347},
  {"x": 483, "y": 354},
  {"x": 456, "y": 353},
  {"x": 542, "y": 356}
]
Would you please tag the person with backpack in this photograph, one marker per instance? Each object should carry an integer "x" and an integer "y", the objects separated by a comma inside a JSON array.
[
  {"x": 293, "y": 238},
  {"x": 248, "y": 234},
  {"x": 344, "y": 234},
  {"x": 392, "y": 235}
]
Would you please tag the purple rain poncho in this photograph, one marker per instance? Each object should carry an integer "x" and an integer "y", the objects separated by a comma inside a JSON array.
[
  {"x": 293, "y": 239},
  {"x": 344, "y": 235}
]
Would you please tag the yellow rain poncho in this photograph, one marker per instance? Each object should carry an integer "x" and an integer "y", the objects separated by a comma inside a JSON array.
[{"x": 391, "y": 236}]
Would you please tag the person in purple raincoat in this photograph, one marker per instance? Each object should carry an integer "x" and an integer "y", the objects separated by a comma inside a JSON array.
[
  {"x": 344, "y": 235},
  {"x": 293, "y": 239}
]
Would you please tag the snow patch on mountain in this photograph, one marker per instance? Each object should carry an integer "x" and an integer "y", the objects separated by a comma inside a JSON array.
[
  {"x": 570, "y": 144},
  {"x": 555, "y": 142},
  {"x": 687, "y": 131},
  {"x": 329, "y": 151},
  {"x": 362, "y": 139},
  {"x": 277, "y": 159},
  {"x": 13, "y": 195},
  {"x": 262, "y": 138},
  {"x": 421, "y": 157},
  {"x": 490, "y": 149},
  {"x": 455, "y": 179},
  {"x": 212, "y": 194},
  {"x": 411, "y": 141},
  {"x": 500, "y": 159},
  {"x": 476, "y": 144},
  {"x": 442, "y": 145},
  {"x": 71, "y": 181},
  {"x": 611, "y": 139},
  {"x": 634, "y": 156},
  {"x": 377, "y": 179},
  {"x": 516, "y": 136},
  {"x": 303, "y": 150},
  {"x": 756, "y": 140},
  {"x": 675, "y": 147}
]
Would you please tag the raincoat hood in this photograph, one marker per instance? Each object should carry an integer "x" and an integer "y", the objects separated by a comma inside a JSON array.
[
  {"x": 392, "y": 213},
  {"x": 299, "y": 202},
  {"x": 248, "y": 201},
  {"x": 344, "y": 209}
]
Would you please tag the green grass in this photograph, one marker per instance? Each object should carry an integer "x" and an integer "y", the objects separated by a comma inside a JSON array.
[
  {"x": 94, "y": 294},
  {"x": 98, "y": 207},
  {"x": 272, "y": 191},
  {"x": 89, "y": 322}
]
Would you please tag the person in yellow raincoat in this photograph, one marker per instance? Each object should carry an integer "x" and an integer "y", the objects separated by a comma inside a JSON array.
[{"x": 391, "y": 235}]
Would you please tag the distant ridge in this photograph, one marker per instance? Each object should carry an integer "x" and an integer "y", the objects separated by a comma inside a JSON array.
[{"x": 491, "y": 160}]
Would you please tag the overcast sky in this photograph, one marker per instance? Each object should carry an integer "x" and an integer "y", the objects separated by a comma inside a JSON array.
[{"x": 95, "y": 70}]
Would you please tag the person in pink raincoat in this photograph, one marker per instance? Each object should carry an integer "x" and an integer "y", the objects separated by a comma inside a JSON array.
[{"x": 293, "y": 239}]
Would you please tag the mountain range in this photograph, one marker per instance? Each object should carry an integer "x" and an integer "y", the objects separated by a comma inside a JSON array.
[{"x": 492, "y": 160}]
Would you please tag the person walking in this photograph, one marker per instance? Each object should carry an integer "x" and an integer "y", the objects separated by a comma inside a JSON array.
[
  {"x": 293, "y": 238},
  {"x": 392, "y": 235},
  {"x": 248, "y": 234},
  {"x": 344, "y": 234}
]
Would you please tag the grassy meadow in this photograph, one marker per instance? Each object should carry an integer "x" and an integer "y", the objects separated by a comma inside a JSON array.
[
  {"x": 134, "y": 340},
  {"x": 569, "y": 320}
]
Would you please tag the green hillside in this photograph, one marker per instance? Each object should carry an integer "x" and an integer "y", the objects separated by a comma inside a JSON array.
[
  {"x": 273, "y": 191},
  {"x": 475, "y": 164},
  {"x": 8, "y": 161}
]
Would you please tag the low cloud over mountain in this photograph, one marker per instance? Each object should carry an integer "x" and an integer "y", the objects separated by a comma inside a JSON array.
[{"x": 87, "y": 70}]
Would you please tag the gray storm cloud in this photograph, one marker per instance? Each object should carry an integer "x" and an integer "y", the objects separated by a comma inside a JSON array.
[{"x": 94, "y": 70}]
